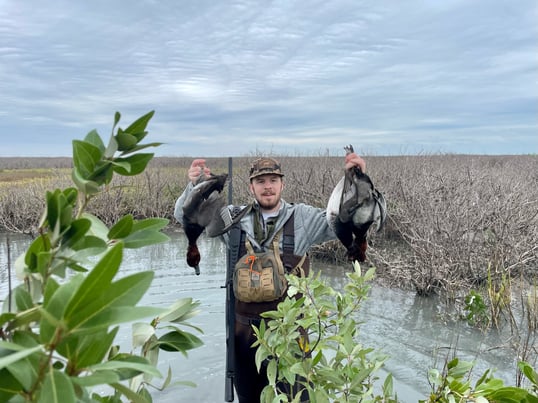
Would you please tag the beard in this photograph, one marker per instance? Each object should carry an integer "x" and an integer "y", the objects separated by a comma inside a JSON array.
[{"x": 268, "y": 202}]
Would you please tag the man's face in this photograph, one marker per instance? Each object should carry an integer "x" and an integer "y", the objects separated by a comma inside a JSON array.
[{"x": 267, "y": 190}]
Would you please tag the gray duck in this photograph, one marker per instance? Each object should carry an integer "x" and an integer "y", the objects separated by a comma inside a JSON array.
[
  {"x": 354, "y": 205},
  {"x": 199, "y": 208}
]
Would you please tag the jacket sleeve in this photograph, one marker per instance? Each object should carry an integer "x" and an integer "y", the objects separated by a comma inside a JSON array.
[{"x": 311, "y": 228}]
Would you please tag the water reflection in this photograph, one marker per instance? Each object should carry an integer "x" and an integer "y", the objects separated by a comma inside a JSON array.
[{"x": 405, "y": 327}]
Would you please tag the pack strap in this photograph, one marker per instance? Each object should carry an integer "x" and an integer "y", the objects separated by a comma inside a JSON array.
[
  {"x": 288, "y": 240},
  {"x": 234, "y": 245},
  {"x": 275, "y": 243}
]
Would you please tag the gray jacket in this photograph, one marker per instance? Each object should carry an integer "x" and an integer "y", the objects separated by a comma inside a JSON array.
[{"x": 311, "y": 226}]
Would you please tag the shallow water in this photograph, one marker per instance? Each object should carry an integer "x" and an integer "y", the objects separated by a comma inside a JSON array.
[{"x": 405, "y": 327}]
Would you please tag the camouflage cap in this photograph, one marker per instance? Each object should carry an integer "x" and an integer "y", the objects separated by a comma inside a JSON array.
[{"x": 265, "y": 166}]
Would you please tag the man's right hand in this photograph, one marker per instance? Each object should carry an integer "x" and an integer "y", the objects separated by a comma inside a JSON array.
[{"x": 196, "y": 169}]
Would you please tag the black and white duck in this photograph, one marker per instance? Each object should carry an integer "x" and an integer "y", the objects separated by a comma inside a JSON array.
[
  {"x": 199, "y": 208},
  {"x": 355, "y": 204}
]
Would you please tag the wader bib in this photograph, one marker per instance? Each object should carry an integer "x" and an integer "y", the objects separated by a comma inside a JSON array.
[{"x": 247, "y": 381}]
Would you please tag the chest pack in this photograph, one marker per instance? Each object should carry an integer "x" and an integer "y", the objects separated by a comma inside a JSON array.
[{"x": 260, "y": 276}]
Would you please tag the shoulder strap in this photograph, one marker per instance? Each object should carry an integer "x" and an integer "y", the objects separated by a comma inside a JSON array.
[
  {"x": 288, "y": 240},
  {"x": 234, "y": 244},
  {"x": 238, "y": 240}
]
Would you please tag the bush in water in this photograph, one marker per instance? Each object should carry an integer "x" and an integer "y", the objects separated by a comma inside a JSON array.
[
  {"x": 58, "y": 327},
  {"x": 328, "y": 363}
]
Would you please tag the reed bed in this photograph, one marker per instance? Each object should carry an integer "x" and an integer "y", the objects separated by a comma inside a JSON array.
[{"x": 455, "y": 221}]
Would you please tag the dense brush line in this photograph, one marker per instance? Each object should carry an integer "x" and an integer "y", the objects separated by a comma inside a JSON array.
[{"x": 453, "y": 220}]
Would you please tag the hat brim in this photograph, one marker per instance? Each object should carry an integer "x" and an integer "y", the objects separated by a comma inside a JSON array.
[{"x": 268, "y": 172}]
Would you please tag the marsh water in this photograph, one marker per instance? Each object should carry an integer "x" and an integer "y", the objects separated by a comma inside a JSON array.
[{"x": 405, "y": 327}]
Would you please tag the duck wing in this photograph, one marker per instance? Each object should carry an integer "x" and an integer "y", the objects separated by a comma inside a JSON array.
[{"x": 199, "y": 209}]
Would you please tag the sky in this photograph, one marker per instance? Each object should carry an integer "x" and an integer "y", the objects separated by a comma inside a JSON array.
[{"x": 304, "y": 77}]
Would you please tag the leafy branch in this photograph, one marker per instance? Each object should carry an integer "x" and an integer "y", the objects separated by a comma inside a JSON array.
[{"x": 58, "y": 342}]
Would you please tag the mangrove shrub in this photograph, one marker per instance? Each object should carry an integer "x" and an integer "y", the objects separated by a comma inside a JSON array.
[{"x": 59, "y": 325}]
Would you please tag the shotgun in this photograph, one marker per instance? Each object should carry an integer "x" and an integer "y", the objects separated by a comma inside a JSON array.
[{"x": 231, "y": 257}]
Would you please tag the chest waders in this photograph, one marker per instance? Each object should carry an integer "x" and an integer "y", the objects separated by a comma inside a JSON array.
[{"x": 240, "y": 316}]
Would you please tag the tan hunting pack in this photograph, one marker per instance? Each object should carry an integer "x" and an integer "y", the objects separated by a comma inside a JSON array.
[{"x": 260, "y": 276}]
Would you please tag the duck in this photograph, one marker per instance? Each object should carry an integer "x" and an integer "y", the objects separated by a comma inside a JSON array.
[
  {"x": 354, "y": 206},
  {"x": 199, "y": 208}
]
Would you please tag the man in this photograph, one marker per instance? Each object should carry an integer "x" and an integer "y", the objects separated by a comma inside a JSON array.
[{"x": 267, "y": 217}]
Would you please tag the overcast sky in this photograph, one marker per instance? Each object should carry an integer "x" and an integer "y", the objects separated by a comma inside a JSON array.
[{"x": 230, "y": 78}]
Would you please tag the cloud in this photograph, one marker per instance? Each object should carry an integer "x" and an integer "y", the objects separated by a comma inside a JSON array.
[{"x": 233, "y": 76}]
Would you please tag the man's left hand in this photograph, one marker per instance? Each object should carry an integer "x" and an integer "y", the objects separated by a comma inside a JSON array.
[{"x": 353, "y": 160}]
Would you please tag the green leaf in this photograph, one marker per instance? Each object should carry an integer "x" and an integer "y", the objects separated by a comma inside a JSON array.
[
  {"x": 144, "y": 238},
  {"x": 142, "y": 332},
  {"x": 139, "y": 126},
  {"x": 76, "y": 231},
  {"x": 38, "y": 245},
  {"x": 178, "y": 341},
  {"x": 117, "y": 117},
  {"x": 24, "y": 319},
  {"x": 122, "y": 228},
  {"x": 137, "y": 164},
  {"x": 88, "y": 246},
  {"x": 141, "y": 147},
  {"x": 57, "y": 388},
  {"x": 85, "y": 156},
  {"x": 50, "y": 288},
  {"x": 98, "y": 228},
  {"x": 53, "y": 210},
  {"x": 126, "y": 141},
  {"x": 459, "y": 369},
  {"x": 9, "y": 386},
  {"x": 529, "y": 372},
  {"x": 131, "y": 395},
  {"x": 93, "y": 138},
  {"x": 127, "y": 362},
  {"x": 86, "y": 186},
  {"x": 388, "y": 386},
  {"x": 125, "y": 292},
  {"x": 70, "y": 195},
  {"x": 87, "y": 350},
  {"x": 180, "y": 311},
  {"x": 54, "y": 307},
  {"x": 10, "y": 353},
  {"x": 102, "y": 173},
  {"x": 23, "y": 299},
  {"x": 46, "y": 264},
  {"x": 507, "y": 394},
  {"x": 114, "y": 316},
  {"x": 6, "y": 317},
  {"x": 96, "y": 281},
  {"x": 25, "y": 371},
  {"x": 155, "y": 224},
  {"x": 112, "y": 147},
  {"x": 150, "y": 351},
  {"x": 271, "y": 372},
  {"x": 93, "y": 349}
]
